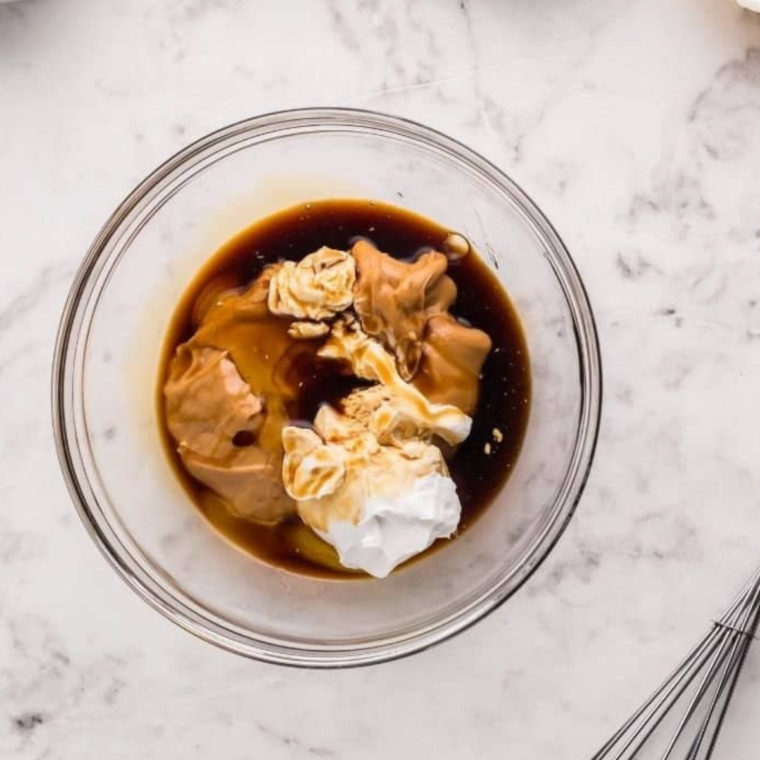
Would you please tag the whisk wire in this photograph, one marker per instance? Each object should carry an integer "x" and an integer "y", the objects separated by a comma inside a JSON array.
[
  {"x": 720, "y": 697},
  {"x": 718, "y": 658},
  {"x": 713, "y": 667},
  {"x": 743, "y": 636},
  {"x": 651, "y": 714}
]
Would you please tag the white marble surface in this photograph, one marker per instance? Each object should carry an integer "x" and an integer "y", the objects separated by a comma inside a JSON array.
[{"x": 635, "y": 126}]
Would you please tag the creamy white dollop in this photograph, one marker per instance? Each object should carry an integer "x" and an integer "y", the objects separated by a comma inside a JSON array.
[
  {"x": 392, "y": 529},
  {"x": 370, "y": 479},
  {"x": 317, "y": 287},
  {"x": 369, "y": 360},
  {"x": 378, "y": 494}
]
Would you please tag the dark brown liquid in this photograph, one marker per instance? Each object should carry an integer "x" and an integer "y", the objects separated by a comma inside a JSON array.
[{"x": 481, "y": 465}]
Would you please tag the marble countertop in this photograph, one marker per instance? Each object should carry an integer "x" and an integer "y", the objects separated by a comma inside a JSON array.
[{"x": 635, "y": 127}]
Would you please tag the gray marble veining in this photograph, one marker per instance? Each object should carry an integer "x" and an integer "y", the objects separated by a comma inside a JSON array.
[{"x": 634, "y": 126}]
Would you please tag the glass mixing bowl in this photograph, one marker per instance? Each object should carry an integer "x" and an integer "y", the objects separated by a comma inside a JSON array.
[{"x": 106, "y": 364}]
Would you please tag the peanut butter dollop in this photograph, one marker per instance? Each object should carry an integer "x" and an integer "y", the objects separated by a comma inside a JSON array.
[
  {"x": 240, "y": 359},
  {"x": 407, "y": 307},
  {"x": 394, "y": 300},
  {"x": 452, "y": 358},
  {"x": 214, "y": 416}
]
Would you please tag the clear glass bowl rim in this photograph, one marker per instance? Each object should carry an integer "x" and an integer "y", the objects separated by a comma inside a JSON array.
[{"x": 273, "y": 126}]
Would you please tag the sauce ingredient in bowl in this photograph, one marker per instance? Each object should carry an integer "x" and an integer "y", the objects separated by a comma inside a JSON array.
[{"x": 331, "y": 380}]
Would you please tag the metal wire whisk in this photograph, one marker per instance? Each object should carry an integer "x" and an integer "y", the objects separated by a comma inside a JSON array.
[{"x": 704, "y": 683}]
